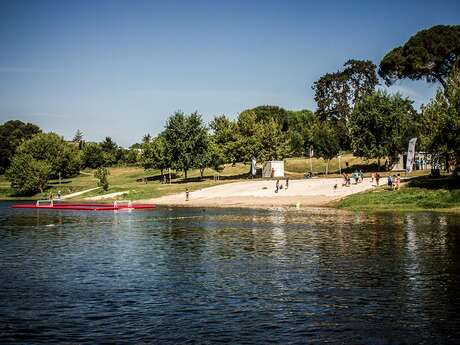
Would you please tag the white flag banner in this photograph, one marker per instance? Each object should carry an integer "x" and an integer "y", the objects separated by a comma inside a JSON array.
[{"x": 410, "y": 155}]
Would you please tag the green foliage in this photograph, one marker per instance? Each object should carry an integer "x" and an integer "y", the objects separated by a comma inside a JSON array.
[
  {"x": 155, "y": 154},
  {"x": 78, "y": 137},
  {"x": 186, "y": 138},
  {"x": 264, "y": 113},
  {"x": 440, "y": 122},
  {"x": 61, "y": 156},
  {"x": 324, "y": 140},
  {"x": 382, "y": 125},
  {"x": 225, "y": 136},
  {"x": 28, "y": 175},
  {"x": 12, "y": 134},
  {"x": 274, "y": 143},
  {"x": 430, "y": 54},
  {"x": 299, "y": 131},
  {"x": 101, "y": 175},
  {"x": 337, "y": 93},
  {"x": 92, "y": 156}
]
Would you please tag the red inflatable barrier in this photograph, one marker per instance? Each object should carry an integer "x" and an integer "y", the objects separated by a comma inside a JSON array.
[{"x": 56, "y": 205}]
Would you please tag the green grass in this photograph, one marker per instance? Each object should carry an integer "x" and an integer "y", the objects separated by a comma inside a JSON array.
[
  {"x": 132, "y": 179},
  {"x": 422, "y": 193}
]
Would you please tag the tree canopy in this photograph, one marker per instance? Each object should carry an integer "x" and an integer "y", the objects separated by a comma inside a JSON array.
[
  {"x": 382, "y": 125},
  {"x": 337, "y": 93},
  {"x": 61, "y": 156},
  {"x": 430, "y": 54},
  {"x": 186, "y": 138},
  {"x": 12, "y": 134},
  {"x": 27, "y": 174},
  {"x": 440, "y": 122}
]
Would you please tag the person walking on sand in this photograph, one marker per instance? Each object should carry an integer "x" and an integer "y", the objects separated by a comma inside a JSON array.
[
  {"x": 187, "y": 194},
  {"x": 389, "y": 182},
  {"x": 277, "y": 185},
  {"x": 377, "y": 179},
  {"x": 398, "y": 182},
  {"x": 287, "y": 182}
]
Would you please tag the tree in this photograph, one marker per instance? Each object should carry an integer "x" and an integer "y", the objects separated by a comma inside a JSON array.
[
  {"x": 185, "y": 139},
  {"x": 109, "y": 151},
  {"x": 440, "y": 122},
  {"x": 248, "y": 143},
  {"x": 325, "y": 142},
  {"x": 12, "y": 134},
  {"x": 299, "y": 128},
  {"x": 62, "y": 157},
  {"x": 337, "y": 93},
  {"x": 382, "y": 125},
  {"x": 155, "y": 154},
  {"x": 78, "y": 137},
  {"x": 101, "y": 175},
  {"x": 273, "y": 142},
  {"x": 92, "y": 156},
  {"x": 264, "y": 113},
  {"x": 430, "y": 54},
  {"x": 225, "y": 136},
  {"x": 146, "y": 138},
  {"x": 28, "y": 175}
]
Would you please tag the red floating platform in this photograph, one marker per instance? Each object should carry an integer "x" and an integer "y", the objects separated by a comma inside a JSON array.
[{"x": 58, "y": 205}]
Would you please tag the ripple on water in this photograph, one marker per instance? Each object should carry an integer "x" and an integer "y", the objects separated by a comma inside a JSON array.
[{"x": 240, "y": 276}]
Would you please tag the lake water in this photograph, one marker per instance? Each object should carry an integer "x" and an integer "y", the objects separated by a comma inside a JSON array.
[{"x": 180, "y": 276}]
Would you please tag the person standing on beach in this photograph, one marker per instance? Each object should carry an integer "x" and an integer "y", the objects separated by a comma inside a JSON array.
[
  {"x": 287, "y": 182},
  {"x": 377, "y": 178},
  {"x": 277, "y": 185},
  {"x": 187, "y": 194},
  {"x": 398, "y": 182}
]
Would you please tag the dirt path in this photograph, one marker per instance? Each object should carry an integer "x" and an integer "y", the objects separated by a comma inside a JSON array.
[{"x": 68, "y": 196}]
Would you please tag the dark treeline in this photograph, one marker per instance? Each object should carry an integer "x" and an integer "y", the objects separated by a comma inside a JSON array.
[{"x": 352, "y": 115}]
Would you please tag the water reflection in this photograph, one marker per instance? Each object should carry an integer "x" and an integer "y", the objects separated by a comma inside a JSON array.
[{"x": 254, "y": 276}]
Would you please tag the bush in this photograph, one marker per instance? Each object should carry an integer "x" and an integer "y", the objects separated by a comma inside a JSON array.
[{"x": 101, "y": 175}]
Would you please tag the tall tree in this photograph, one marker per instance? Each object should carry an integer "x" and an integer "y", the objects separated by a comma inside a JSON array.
[
  {"x": 440, "y": 122},
  {"x": 337, "y": 93},
  {"x": 382, "y": 125},
  {"x": 185, "y": 139},
  {"x": 430, "y": 54},
  {"x": 12, "y": 134}
]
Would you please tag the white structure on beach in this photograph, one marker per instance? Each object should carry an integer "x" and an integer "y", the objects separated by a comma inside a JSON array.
[{"x": 273, "y": 169}]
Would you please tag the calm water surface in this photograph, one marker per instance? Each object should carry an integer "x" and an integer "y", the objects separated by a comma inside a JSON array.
[{"x": 179, "y": 276}]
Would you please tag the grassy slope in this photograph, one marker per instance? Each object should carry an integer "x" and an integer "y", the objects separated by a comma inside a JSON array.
[
  {"x": 421, "y": 193},
  {"x": 131, "y": 179}
]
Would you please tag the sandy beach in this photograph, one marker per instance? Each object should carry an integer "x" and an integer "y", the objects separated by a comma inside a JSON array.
[{"x": 301, "y": 193}]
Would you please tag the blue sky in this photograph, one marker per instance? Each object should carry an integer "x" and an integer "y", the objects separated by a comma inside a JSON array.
[{"x": 120, "y": 68}]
